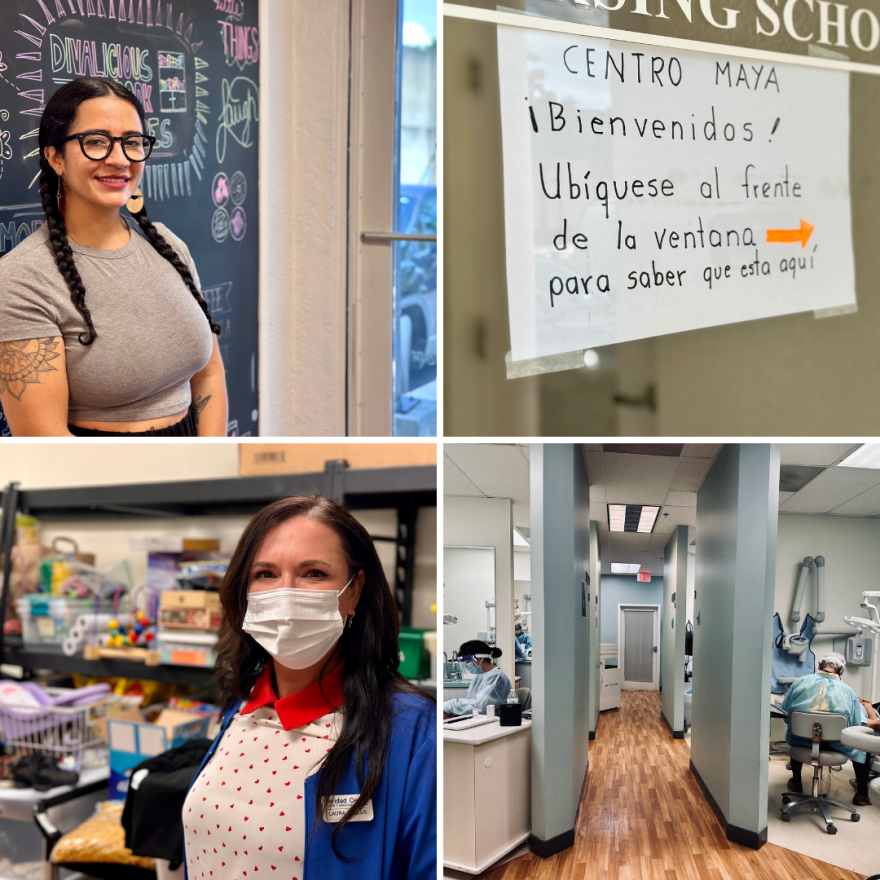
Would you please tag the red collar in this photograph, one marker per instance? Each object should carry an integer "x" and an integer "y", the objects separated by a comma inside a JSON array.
[{"x": 300, "y": 708}]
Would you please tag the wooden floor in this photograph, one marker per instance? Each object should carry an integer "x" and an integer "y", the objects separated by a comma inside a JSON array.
[{"x": 644, "y": 817}]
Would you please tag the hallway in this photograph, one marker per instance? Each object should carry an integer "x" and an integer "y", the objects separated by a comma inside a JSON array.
[{"x": 643, "y": 816}]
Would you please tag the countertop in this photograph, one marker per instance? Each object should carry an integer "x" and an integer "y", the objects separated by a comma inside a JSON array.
[{"x": 475, "y": 736}]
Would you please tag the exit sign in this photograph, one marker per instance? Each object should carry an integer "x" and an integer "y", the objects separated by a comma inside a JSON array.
[{"x": 643, "y": 577}]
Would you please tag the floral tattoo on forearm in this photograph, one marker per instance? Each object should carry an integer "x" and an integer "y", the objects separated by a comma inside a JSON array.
[{"x": 22, "y": 361}]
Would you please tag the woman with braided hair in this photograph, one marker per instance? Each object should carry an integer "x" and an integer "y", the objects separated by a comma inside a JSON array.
[{"x": 103, "y": 327}]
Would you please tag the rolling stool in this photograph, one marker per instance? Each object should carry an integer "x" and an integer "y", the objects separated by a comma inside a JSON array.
[
  {"x": 821, "y": 728},
  {"x": 863, "y": 739}
]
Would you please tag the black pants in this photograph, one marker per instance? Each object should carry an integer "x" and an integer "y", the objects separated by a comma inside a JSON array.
[
  {"x": 186, "y": 427},
  {"x": 862, "y": 771}
]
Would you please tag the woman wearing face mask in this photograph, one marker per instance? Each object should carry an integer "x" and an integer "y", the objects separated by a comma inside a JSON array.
[
  {"x": 103, "y": 327},
  {"x": 490, "y": 687},
  {"x": 325, "y": 764}
]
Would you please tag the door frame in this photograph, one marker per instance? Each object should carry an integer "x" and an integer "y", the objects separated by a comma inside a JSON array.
[
  {"x": 371, "y": 208},
  {"x": 654, "y": 684}
]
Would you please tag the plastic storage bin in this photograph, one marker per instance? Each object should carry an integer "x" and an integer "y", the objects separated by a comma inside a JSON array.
[
  {"x": 415, "y": 661},
  {"x": 47, "y": 620}
]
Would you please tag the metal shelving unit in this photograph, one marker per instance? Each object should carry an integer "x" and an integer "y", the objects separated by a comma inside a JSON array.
[{"x": 405, "y": 489}]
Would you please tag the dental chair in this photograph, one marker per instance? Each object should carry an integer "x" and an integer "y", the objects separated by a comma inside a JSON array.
[
  {"x": 863, "y": 739},
  {"x": 822, "y": 728}
]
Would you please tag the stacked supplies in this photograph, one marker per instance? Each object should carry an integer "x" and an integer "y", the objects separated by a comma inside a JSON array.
[{"x": 189, "y": 621}]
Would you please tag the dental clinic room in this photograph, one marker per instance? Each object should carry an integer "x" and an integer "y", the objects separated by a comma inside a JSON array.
[{"x": 660, "y": 660}]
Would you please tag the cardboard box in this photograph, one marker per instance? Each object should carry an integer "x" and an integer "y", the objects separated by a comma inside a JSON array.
[
  {"x": 175, "y": 544},
  {"x": 262, "y": 459},
  {"x": 189, "y": 618},
  {"x": 174, "y": 654},
  {"x": 133, "y": 741},
  {"x": 200, "y": 599}
]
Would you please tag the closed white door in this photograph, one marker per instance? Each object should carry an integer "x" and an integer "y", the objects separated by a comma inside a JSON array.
[{"x": 639, "y": 647}]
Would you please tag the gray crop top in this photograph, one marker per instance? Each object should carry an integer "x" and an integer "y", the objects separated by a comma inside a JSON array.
[{"x": 152, "y": 336}]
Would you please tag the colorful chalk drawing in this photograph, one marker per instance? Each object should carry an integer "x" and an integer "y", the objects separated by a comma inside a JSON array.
[
  {"x": 240, "y": 106},
  {"x": 220, "y": 189},
  {"x": 230, "y": 8},
  {"x": 5, "y": 141},
  {"x": 172, "y": 82},
  {"x": 238, "y": 223},
  {"x": 241, "y": 44},
  {"x": 169, "y": 82},
  {"x": 238, "y": 188},
  {"x": 220, "y": 225}
]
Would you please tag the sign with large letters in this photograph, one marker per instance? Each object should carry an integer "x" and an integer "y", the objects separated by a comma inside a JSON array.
[{"x": 651, "y": 190}]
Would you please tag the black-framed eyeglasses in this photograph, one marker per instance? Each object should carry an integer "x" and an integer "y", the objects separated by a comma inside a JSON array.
[{"x": 97, "y": 146}]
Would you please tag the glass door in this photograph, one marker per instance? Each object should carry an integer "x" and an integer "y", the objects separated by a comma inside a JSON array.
[{"x": 415, "y": 253}]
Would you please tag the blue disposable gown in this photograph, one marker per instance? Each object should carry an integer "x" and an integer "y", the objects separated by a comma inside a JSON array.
[
  {"x": 518, "y": 650},
  {"x": 525, "y": 640},
  {"x": 825, "y": 692},
  {"x": 488, "y": 688}
]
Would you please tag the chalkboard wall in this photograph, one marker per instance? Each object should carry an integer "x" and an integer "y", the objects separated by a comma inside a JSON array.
[{"x": 194, "y": 64}]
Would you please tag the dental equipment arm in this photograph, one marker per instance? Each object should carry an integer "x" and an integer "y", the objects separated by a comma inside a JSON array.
[
  {"x": 801, "y": 588},
  {"x": 820, "y": 589}
]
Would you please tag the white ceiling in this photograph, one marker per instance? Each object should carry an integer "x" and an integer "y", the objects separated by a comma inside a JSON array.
[
  {"x": 836, "y": 491},
  {"x": 668, "y": 481},
  {"x": 489, "y": 470},
  {"x": 498, "y": 470}
]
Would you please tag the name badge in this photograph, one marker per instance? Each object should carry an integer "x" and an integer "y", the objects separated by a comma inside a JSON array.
[{"x": 337, "y": 806}]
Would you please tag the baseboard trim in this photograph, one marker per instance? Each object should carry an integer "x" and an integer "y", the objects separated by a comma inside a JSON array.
[
  {"x": 592, "y": 735},
  {"x": 676, "y": 734},
  {"x": 547, "y": 848},
  {"x": 577, "y": 814},
  {"x": 752, "y": 839}
]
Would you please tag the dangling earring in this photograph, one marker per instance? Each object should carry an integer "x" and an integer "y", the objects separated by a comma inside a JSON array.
[
  {"x": 350, "y": 619},
  {"x": 135, "y": 204},
  {"x": 60, "y": 195}
]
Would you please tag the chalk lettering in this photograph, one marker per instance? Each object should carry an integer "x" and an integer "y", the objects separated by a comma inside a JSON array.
[{"x": 240, "y": 103}]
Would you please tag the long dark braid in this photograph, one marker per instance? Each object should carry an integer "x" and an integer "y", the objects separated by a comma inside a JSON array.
[
  {"x": 49, "y": 182},
  {"x": 55, "y": 125}
]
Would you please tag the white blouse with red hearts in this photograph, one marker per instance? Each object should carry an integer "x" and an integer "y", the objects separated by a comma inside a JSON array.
[{"x": 244, "y": 816}]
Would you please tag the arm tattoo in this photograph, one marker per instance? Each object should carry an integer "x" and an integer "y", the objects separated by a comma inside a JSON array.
[
  {"x": 22, "y": 361},
  {"x": 198, "y": 405}
]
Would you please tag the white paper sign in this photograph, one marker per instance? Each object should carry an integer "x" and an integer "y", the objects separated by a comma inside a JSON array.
[{"x": 650, "y": 191}]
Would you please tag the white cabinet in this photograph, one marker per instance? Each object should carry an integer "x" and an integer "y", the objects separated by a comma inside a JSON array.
[
  {"x": 609, "y": 678},
  {"x": 487, "y": 800}
]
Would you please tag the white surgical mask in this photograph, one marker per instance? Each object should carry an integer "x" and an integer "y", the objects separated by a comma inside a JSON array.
[{"x": 297, "y": 627}]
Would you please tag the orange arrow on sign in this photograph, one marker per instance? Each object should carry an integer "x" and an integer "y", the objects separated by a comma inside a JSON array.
[{"x": 788, "y": 235}]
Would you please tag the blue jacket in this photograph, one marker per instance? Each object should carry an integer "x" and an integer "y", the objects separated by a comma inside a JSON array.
[{"x": 400, "y": 843}]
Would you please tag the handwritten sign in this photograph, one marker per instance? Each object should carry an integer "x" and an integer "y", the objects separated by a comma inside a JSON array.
[{"x": 651, "y": 191}]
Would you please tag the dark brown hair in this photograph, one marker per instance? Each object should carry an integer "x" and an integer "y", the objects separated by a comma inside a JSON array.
[
  {"x": 55, "y": 125},
  {"x": 369, "y": 647}
]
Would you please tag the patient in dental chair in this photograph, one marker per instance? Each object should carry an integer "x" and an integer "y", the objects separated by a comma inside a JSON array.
[{"x": 825, "y": 691}]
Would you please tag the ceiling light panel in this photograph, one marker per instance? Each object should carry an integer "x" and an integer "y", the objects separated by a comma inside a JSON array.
[
  {"x": 632, "y": 517},
  {"x": 647, "y": 519},
  {"x": 866, "y": 456},
  {"x": 624, "y": 568}
]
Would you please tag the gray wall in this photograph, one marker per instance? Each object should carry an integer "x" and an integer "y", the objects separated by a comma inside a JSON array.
[
  {"x": 560, "y": 536},
  {"x": 672, "y": 636},
  {"x": 735, "y": 569},
  {"x": 851, "y": 547},
  {"x": 623, "y": 589},
  {"x": 594, "y": 617}
]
